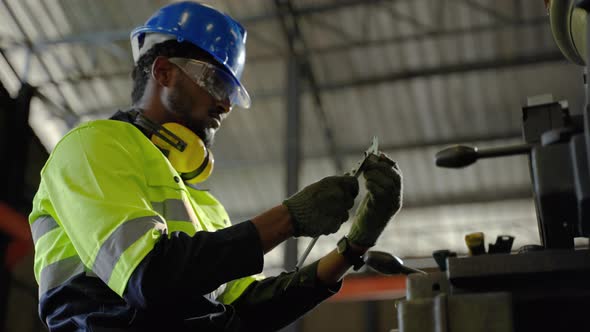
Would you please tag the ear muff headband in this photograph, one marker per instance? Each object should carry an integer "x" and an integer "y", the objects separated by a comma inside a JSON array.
[
  {"x": 184, "y": 149},
  {"x": 162, "y": 132}
]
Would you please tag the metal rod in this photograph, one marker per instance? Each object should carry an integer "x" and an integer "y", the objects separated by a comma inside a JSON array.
[
  {"x": 292, "y": 147},
  {"x": 504, "y": 151},
  {"x": 587, "y": 89},
  {"x": 414, "y": 270},
  {"x": 306, "y": 252},
  {"x": 298, "y": 47}
]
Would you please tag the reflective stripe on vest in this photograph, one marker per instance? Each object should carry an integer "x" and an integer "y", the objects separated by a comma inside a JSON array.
[
  {"x": 123, "y": 237},
  {"x": 120, "y": 240},
  {"x": 53, "y": 275},
  {"x": 59, "y": 272},
  {"x": 172, "y": 209},
  {"x": 43, "y": 226}
]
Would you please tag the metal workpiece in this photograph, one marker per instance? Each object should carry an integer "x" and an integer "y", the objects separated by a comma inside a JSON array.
[
  {"x": 420, "y": 286},
  {"x": 468, "y": 272},
  {"x": 545, "y": 290},
  {"x": 430, "y": 306},
  {"x": 422, "y": 315},
  {"x": 487, "y": 312}
]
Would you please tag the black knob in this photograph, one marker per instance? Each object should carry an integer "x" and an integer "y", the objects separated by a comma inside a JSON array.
[{"x": 456, "y": 156}]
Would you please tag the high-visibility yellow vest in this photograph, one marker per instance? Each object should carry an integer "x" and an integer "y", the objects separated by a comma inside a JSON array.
[{"x": 106, "y": 196}]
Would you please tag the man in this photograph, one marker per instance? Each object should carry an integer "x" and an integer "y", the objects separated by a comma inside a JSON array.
[{"x": 124, "y": 242}]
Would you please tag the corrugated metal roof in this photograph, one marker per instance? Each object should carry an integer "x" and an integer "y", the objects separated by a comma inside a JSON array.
[{"x": 418, "y": 74}]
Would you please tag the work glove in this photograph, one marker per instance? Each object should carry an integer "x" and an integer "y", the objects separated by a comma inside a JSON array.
[
  {"x": 383, "y": 200},
  {"x": 321, "y": 207}
]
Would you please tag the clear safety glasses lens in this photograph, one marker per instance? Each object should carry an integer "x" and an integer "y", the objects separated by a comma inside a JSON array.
[{"x": 220, "y": 84}]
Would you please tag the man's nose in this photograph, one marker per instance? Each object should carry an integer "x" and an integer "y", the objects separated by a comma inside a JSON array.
[{"x": 224, "y": 106}]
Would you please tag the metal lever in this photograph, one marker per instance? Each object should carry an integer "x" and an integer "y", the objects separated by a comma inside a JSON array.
[
  {"x": 386, "y": 263},
  {"x": 461, "y": 155}
]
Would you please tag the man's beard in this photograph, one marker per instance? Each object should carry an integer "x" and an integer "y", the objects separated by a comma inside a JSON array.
[
  {"x": 207, "y": 135},
  {"x": 180, "y": 103}
]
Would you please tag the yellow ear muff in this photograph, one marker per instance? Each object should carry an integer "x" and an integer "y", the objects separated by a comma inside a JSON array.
[
  {"x": 202, "y": 174},
  {"x": 194, "y": 162}
]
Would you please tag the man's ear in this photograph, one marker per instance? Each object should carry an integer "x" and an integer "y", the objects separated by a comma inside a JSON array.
[{"x": 163, "y": 71}]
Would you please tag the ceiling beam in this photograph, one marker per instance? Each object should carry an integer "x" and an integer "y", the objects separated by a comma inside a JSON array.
[
  {"x": 64, "y": 110},
  {"x": 398, "y": 76},
  {"x": 447, "y": 69},
  {"x": 467, "y": 197},
  {"x": 392, "y": 149},
  {"x": 298, "y": 49},
  {"x": 471, "y": 197},
  {"x": 313, "y": 9},
  {"x": 490, "y": 11},
  {"x": 108, "y": 37},
  {"x": 535, "y": 22}
]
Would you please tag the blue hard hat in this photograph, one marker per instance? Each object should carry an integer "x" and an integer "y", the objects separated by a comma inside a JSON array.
[{"x": 212, "y": 31}]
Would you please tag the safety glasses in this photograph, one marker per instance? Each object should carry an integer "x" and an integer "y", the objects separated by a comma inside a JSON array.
[{"x": 219, "y": 83}]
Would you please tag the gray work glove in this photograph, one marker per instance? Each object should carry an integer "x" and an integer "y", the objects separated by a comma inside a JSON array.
[
  {"x": 321, "y": 207},
  {"x": 383, "y": 200}
]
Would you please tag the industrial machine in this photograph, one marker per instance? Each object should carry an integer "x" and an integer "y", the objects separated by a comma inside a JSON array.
[{"x": 539, "y": 288}]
